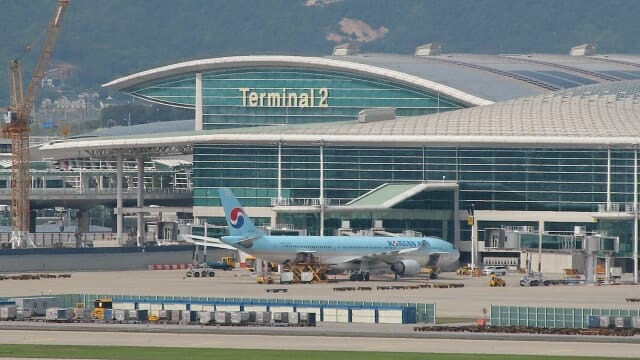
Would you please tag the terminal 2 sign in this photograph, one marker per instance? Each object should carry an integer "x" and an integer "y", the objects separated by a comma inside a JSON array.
[{"x": 302, "y": 99}]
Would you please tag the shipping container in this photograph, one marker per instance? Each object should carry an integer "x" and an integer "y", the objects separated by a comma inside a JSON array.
[
  {"x": 593, "y": 321},
  {"x": 308, "y": 319},
  {"x": 635, "y": 322},
  {"x": 8, "y": 312},
  {"x": 188, "y": 317},
  {"x": 239, "y": 317},
  {"x": 108, "y": 315},
  {"x": 605, "y": 321},
  {"x": 121, "y": 315},
  {"x": 286, "y": 277},
  {"x": 622, "y": 322},
  {"x": 306, "y": 277},
  {"x": 294, "y": 318},
  {"x": 206, "y": 317},
  {"x": 280, "y": 317},
  {"x": 263, "y": 317},
  {"x": 222, "y": 317},
  {"x": 37, "y": 306}
]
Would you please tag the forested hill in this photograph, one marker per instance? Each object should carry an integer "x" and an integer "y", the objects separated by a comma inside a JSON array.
[{"x": 102, "y": 40}]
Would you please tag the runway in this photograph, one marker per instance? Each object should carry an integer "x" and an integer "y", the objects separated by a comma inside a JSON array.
[{"x": 278, "y": 342}]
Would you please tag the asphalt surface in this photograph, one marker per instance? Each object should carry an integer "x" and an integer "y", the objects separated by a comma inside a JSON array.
[
  {"x": 467, "y": 303},
  {"x": 340, "y": 343}
]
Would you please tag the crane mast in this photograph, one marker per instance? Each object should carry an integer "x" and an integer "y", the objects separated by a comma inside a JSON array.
[{"x": 16, "y": 127}]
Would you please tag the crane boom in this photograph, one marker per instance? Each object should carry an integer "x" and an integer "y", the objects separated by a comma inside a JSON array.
[{"x": 17, "y": 125}]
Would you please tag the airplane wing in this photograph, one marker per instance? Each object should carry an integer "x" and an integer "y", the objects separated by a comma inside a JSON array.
[
  {"x": 207, "y": 241},
  {"x": 389, "y": 257}
]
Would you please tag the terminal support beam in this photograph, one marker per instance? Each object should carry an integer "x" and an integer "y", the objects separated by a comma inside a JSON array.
[
  {"x": 609, "y": 179},
  {"x": 140, "y": 200},
  {"x": 635, "y": 215},
  {"x": 199, "y": 112},
  {"x": 119, "y": 216},
  {"x": 321, "y": 189}
]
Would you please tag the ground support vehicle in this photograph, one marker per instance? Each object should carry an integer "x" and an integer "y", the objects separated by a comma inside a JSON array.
[
  {"x": 431, "y": 272},
  {"x": 99, "y": 305},
  {"x": 496, "y": 281},
  {"x": 537, "y": 279},
  {"x": 200, "y": 270},
  {"x": 226, "y": 263},
  {"x": 464, "y": 271}
]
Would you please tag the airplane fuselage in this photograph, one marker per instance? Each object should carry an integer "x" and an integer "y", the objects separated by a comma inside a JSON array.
[{"x": 339, "y": 251}]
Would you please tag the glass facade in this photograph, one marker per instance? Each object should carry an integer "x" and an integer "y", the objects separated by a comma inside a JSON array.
[
  {"x": 277, "y": 96},
  {"x": 490, "y": 179}
]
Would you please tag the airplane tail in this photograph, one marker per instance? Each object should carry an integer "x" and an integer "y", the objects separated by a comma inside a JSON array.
[{"x": 238, "y": 221}]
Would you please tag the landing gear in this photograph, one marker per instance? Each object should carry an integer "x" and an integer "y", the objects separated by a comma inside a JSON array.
[{"x": 359, "y": 276}]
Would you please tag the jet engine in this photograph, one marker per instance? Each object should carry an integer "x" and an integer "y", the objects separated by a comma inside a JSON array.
[{"x": 406, "y": 268}]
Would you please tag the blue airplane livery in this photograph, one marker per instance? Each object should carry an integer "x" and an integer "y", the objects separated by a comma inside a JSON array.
[{"x": 359, "y": 255}]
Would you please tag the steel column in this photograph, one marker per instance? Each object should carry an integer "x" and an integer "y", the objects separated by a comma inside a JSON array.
[
  {"x": 119, "y": 216},
  {"x": 140, "y": 200}
]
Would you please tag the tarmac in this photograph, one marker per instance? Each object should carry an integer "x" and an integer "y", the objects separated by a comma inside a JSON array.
[
  {"x": 466, "y": 302},
  {"x": 452, "y": 304}
]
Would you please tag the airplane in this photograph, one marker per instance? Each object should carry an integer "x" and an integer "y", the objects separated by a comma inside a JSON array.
[{"x": 360, "y": 255}]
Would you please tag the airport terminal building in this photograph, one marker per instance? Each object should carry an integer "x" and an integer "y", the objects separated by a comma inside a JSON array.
[{"x": 395, "y": 142}]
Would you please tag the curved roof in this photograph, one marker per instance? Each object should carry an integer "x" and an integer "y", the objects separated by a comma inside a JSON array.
[
  {"x": 610, "y": 110},
  {"x": 595, "y": 115},
  {"x": 294, "y": 61}
]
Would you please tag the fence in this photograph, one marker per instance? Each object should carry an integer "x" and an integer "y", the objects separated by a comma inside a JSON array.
[
  {"x": 424, "y": 313},
  {"x": 550, "y": 317}
]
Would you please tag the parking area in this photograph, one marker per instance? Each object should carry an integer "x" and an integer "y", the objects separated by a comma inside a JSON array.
[{"x": 466, "y": 301}]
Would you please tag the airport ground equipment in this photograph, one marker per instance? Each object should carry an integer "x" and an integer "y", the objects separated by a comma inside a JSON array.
[
  {"x": 537, "y": 279},
  {"x": 464, "y": 271},
  {"x": 430, "y": 271},
  {"x": 99, "y": 306},
  {"x": 307, "y": 272},
  {"x": 226, "y": 263},
  {"x": 200, "y": 270},
  {"x": 264, "y": 279},
  {"x": 16, "y": 127},
  {"x": 496, "y": 281}
]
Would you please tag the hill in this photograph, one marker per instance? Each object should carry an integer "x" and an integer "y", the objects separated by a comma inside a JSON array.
[{"x": 103, "y": 40}]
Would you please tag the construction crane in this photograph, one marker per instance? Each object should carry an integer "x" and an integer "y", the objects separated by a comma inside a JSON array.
[{"x": 16, "y": 127}]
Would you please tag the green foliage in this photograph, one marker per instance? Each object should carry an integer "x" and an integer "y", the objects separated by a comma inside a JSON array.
[
  {"x": 104, "y": 40},
  {"x": 160, "y": 353}
]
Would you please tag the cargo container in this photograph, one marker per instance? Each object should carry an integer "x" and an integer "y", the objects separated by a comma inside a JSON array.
[
  {"x": 239, "y": 317},
  {"x": 81, "y": 314},
  {"x": 252, "y": 316},
  {"x": 162, "y": 314},
  {"x": 280, "y": 317},
  {"x": 138, "y": 315},
  {"x": 121, "y": 315},
  {"x": 293, "y": 318},
  {"x": 308, "y": 319},
  {"x": 108, "y": 315},
  {"x": 635, "y": 322},
  {"x": 263, "y": 317},
  {"x": 175, "y": 316},
  {"x": 593, "y": 321},
  {"x": 188, "y": 317},
  {"x": 37, "y": 306},
  {"x": 286, "y": 277},
  {"x": 306, "y": 277},
  {"x": 622, "y": 322},
  {"x": 222, "y": 317},
  {"x": 8, "y": 312},
  {"x": 206, "y": 317},
  {"x": 58, "y": 314},
  {"x": 605, "y": 321}
]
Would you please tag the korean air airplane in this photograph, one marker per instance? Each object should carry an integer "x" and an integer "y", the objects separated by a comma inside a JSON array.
[{"x": 359, "y": 255}]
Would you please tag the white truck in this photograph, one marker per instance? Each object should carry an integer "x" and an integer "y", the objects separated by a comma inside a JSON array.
[{"x": 200, "y": 270}]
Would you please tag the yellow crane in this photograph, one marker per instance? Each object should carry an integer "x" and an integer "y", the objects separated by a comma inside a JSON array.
[{"x": 16, "y": 126}]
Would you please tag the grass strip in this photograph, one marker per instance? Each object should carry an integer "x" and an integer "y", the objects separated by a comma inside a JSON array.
[{"x": 161, "y": 353}]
